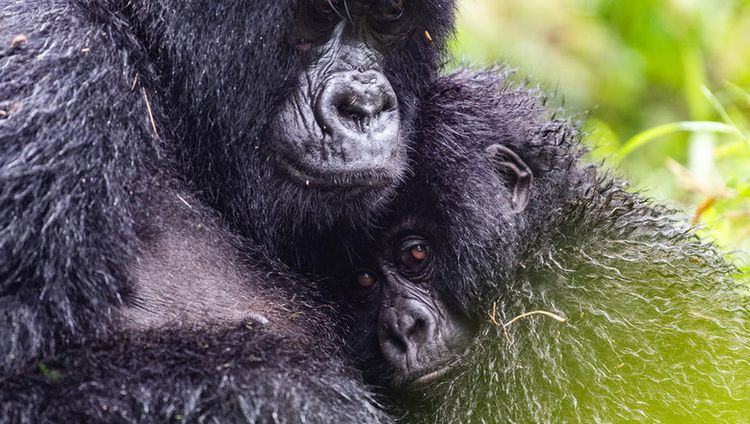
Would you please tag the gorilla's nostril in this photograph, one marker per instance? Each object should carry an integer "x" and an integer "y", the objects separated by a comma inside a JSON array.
[
  {"x": 417, "y": 329},
  {"x": 389, "y": 105},
  {"x": 403, "y": 333},
  {"x": 397, "y": 342},
  {"x": 354, "y": 103},
  {"x": 350, "y": 111}
]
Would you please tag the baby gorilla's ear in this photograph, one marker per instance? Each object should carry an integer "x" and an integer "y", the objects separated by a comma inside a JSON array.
[{"x": 515, "y": 171}]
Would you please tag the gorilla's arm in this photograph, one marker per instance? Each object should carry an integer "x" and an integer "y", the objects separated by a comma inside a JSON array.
[
  {"x": 206, "y": 333},
  {"x": 243, "y": 374},
  {"x": 74, "y": 137}
]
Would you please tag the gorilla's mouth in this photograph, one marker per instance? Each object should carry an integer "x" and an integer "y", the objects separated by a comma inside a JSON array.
[
  {"x": 328, "y": 180},
  {"x": 433, "y": 375}
]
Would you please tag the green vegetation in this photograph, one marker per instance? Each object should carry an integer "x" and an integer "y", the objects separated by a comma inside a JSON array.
[{"x": 663, "y": 87}]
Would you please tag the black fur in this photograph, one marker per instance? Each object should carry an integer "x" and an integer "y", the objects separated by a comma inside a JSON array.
[
  {"x": 214, "y": 375},
  {"x": 210, "y": 332},
  {"x": 125, "y": 123},
  {"x": 654, "y": 327},
  {"x": 654, "y": 330}
]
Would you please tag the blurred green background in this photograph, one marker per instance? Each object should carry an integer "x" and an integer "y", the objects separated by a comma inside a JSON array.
[{"x": 662, "y": 87}]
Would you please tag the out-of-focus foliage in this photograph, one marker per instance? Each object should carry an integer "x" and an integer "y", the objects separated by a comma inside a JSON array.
[{"x": 663, "y": 87}]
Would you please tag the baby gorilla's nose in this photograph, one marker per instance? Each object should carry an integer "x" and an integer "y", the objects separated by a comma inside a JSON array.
[
  {"x": 360, "y": 111},
  {"x": 403, "y": 334},
  {"x": 420, "y": 337},
  {"x": 408, "y": 336}
]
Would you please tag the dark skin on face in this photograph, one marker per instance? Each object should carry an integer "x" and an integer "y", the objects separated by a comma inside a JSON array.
[
  {"x": 401, "y": 294},
  {"x": 341, "y": 129}
]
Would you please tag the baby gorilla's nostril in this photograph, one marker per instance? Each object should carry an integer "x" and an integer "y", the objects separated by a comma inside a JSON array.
[
  {"x": 417, "y": 330},
  {"x": 389, "y": 105},
  {"x": 404, "y": 337},
  {"x": 396, "y": 341}
]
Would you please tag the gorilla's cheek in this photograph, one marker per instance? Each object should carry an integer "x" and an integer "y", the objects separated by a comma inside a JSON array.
[{"x": 341, "y": 127}]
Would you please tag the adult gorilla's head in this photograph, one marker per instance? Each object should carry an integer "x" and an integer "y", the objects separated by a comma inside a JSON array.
[{"x": 299, "y": 110}]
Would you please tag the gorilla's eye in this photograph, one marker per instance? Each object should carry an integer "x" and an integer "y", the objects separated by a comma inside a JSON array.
[
  {"x": 366, "y": 279},
  {"x": 391, "y": 10},
  {"x": 313, "y": 23},
  {"x": 413, "y": 254}
]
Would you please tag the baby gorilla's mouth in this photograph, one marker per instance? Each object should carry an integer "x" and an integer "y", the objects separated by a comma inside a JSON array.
[{"x": 433, "y": 375}]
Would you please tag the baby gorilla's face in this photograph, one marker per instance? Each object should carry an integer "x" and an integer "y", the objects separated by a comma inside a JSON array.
[
  {"x": 399, "y": 312},
  {"x": 413, "y": 297}
]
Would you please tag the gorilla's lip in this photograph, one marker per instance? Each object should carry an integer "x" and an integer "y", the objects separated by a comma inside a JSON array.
[
  {"x": 433, "y": 375},
  {"x": 363, "y": 179}
]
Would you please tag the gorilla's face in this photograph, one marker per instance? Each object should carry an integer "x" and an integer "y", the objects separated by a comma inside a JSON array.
[
  {"x": 334, "y": 145},
  {"x": 395, "y": 302},
  {"x": 340, "y": 128},
  {"x": 295, "y": 115}
]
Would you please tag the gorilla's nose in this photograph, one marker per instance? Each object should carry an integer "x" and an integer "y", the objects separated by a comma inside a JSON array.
[
  {"x": 360, "y": 100},
  {"x": 406, "y": 334},
  {"x": 360, "y": 112}
]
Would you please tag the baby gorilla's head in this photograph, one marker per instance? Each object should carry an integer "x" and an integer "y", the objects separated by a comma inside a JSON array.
[
  {"x": 417, "y": 294},
  {"x": 408, "y": 295}
]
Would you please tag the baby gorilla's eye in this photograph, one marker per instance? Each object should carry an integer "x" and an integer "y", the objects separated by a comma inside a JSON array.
[
  {"x": 419, "y": 252},
  {"x": 366, "y": 279},
  {"x": 366, "y": 288},
  {"x": 413, "y": 255}
]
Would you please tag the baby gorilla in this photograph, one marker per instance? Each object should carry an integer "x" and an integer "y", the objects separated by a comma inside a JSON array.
[
  {"x": 411, "y": 297},
  {"x": 419, "y": 332},
  {"x": 421, "y": 329},
  {"x": 501, "y": 220}
]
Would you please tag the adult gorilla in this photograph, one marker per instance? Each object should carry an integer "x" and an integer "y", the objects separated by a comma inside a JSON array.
[
  {"x": 499, "y": 233},
  {"x": 287, "y": 118}
]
